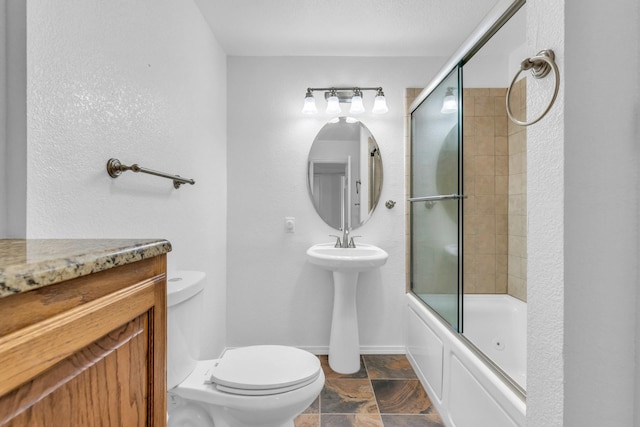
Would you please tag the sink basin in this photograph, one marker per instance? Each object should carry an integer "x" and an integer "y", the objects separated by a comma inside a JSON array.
[{"x": 361, "y": 258}]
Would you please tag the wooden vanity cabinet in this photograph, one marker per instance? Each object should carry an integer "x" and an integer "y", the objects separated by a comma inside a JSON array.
[{"x": 88, "y": 351}]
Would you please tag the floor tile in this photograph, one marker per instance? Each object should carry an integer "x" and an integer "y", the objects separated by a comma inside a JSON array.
[
  {"x": 330, "y": 373},
  {"x": 401, "y": 397},
  {"x": 389, "y": 367},
  {"x": 347, "y": 396},
  {"x": 432, "y": 420},
  {"x": 314, "y": 408},
  {"x": 307, "y": 420},
  {"x": 351, "y": 420},
  {"x": 385, "y": 392}
]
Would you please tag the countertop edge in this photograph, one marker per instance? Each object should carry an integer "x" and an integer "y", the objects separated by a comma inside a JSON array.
[{"x": 29, "y": 275}]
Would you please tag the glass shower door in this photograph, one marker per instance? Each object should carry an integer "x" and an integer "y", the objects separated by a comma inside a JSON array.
[{"x": 436, "y": 200}]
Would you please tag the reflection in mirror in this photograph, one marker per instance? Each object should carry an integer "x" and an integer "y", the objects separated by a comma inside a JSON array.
[{"x": 345, "y": 173}]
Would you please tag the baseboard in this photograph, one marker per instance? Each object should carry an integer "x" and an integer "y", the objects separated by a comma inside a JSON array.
[
  {"x": 392, "y": 349},
  {"x": 377, "y": 349}
]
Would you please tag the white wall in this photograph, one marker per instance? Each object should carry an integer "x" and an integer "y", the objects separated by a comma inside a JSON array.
[
  {"x": 4, "y": 210},
  {"x": 583, "y": 218},
  {"x": 487, "y": 71},
  {"x": 601, "y": 258},
  {"x": 145, "y": 82},
  {"x": 13, "y": 126},
  {"x": 546, "y": 222},
  {"x": 274, "y": 295}
]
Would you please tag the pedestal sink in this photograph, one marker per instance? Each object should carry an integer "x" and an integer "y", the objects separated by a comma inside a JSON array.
[{"x": 345, "y": 263}]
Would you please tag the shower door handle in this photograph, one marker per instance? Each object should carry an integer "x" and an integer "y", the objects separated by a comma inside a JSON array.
[{"x": 436, "y": 198}]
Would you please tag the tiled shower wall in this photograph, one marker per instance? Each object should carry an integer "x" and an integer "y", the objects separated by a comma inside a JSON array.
[
  {"x": 486, "y": 185},
  {"x": 410, "y": 94},
  {"x": 517, "y": 271},
  {"x": 495, "y": 182}
]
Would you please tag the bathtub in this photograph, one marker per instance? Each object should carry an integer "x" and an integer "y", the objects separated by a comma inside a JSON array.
[
  {"x": 497, "y": 325},
  {"x": 465, "y": 389}
]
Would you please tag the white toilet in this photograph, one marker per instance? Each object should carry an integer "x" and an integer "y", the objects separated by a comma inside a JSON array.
[{"x": 263, "y": 385}]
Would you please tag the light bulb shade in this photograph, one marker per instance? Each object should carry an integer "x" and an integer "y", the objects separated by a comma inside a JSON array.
[
  {"x": 449, "y": 105},
  {"x": 309, "y": 105},
  {"x": 357, "y": 107},
  {"x": 333, "y": 105},
  {"x": 380, "y": 105}
]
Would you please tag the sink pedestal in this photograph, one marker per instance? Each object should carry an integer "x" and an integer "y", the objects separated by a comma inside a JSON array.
[
  {"x": 344, "y": 344},
  {"x": 345, "y": 263}
]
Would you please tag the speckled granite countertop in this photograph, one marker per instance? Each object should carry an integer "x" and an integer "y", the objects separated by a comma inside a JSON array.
[{"x": 34, "y": 263}]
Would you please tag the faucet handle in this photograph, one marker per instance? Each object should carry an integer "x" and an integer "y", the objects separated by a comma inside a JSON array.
[
  {"x": 338, "y": 243},
  {"x": 352, "y": 244}
]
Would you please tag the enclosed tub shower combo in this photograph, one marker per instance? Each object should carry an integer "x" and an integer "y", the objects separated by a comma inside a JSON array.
[{"x": 466, "y": 334}]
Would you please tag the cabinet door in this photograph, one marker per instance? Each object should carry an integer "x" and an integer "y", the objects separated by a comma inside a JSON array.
[
  {"x": 94, "y": 355},
  {"x": 103, "y": 384}
]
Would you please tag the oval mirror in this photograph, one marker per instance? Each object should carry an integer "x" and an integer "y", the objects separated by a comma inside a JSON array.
[{"x": 345, "y": 173}]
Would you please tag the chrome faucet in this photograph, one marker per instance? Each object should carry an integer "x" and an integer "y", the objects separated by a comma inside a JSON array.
[
  {"x": 346, "y": 241},
  {"x": 338, "y": 242},
  {"x": 345, "y": 237}
]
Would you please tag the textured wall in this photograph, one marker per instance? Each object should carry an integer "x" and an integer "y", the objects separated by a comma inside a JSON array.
[
  {"x": 582, "y": 164},
  {"x": 275, "y": 296},
  {"x": 546, "y": 216},
  {"x": 143, "y": 81}
]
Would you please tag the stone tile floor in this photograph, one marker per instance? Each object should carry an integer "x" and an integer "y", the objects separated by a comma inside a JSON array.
[{"x": 385, "y": 392}]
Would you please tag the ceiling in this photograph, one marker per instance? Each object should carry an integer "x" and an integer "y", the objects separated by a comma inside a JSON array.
[{"x": 343, "y": 27}]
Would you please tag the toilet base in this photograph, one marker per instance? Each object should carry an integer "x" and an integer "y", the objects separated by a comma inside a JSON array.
[
  {"x": 229, "y": 410},
  {"x": 184, "y": 413}
]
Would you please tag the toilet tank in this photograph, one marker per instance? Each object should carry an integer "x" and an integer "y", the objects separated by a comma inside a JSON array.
[{"x": 184, "y": 309}]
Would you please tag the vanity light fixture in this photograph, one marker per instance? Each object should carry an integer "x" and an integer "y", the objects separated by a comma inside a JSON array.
[
  {"x": 309, "y": 104},
  {"x": 351, "y": 95},
  {"x": 449, "y": 104},
  {"x": 380, "y": 103},
  {"x": 357, "y": 107},
  {"x": 333, "y": 103}
]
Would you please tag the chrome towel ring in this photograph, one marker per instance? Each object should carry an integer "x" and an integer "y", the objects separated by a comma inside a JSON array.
[{"x": 540, "y": 65}]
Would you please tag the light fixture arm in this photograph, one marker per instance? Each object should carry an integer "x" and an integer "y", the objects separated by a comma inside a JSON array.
[
  {"x": 352, "y": 88},
  {"x": 349, "y": 94}
]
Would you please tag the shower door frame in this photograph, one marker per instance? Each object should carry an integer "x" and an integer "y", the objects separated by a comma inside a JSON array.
[
  {"x": 458, "y": 196},
  {"x": 499, "y": 15},
  {"x": 490, "y": 25}
]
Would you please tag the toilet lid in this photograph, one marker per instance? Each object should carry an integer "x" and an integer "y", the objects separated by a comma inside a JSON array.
[{"x": 264, "y": 369}]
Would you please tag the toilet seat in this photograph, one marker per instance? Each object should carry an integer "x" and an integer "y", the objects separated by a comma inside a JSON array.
[
  {"x": 264, "y": 392},
  {"x": 263, "y": 370}
]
